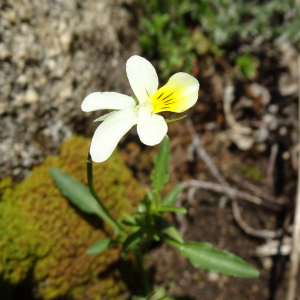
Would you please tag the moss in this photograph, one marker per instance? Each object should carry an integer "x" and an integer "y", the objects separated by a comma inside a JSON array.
[{"x": 43, "y": 234}]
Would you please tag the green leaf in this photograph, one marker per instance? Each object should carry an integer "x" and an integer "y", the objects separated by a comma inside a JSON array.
[
  {"x": 172, "y": 208},
  {"x": 78, "y": 193},
  {"x": 100, "y": 246},
  {"x": 174, "y": 120},
  {"x": 162, "y": 225},
  {"x": 129, "y": 220},
  {"x": 172, "y": 232},
  {"x": 133, "y": 239},
  {"x": 149, "y": 297},
  {"x": 170, "y": 199},
  {"x": 203, "y": 255},
  {"x": 160, "y": 175},
  {"x": 104, "y": 117},
  {"x": 248, "y": 65}
]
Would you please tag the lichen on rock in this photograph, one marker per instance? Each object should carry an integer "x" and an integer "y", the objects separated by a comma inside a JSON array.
[{"x": 42, "y": 234}]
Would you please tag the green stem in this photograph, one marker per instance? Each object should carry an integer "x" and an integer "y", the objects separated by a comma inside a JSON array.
[
  {"x": 117, "y": 227},
  {"x": 143, "y": 275}
]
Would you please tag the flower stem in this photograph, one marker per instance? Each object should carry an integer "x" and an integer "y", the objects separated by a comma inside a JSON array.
[
  {"x": 143, "y": 275},
  {"x": 117, "y": 227}
]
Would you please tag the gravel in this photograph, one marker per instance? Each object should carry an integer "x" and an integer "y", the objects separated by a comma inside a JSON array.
[{"x": 53, "y": 54}]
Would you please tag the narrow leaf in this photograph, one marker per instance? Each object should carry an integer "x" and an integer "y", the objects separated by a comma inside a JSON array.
[
  {"x": 174, "y": 120},
  {"x": 172, "y": 208},
  {"x": 104, "y": 117},
  {"x": 160, "y": 175},
  {"x": 78, "y": 193},
  {"x": 132, "y": 239},
  {"x": 129, "y": 220},
  {"x": 170, "y": 199},
  {"x": 172, "y": 232},
  {"x": 149, "y": 297},
  {"x": 203, "y": 255},
  {"x": 100, "y": 246}
]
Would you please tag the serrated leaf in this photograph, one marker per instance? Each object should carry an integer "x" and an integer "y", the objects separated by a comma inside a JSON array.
[
  {"x": 204, "y": 255},
  {"x": 78, "y": 193},
  {"x": 160, "y": 175},
  {"x": 170, "y": 199},
  {"x": 104, "y": 117},
  {"x": 172, "y": 208},
  {"x": 174, "y": 120},
  {"x": 132, "y": 239},
  {"x": 100, "y": 246}
]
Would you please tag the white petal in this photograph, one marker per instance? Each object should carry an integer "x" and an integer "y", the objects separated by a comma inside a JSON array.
[
  {"x": 179, "y": 94},
  {"x": 142, "y": 77},
  {"x": 106, "y": 100},
  {"x": 151, "y": 127},
  {"x": 109, "y": 133}
]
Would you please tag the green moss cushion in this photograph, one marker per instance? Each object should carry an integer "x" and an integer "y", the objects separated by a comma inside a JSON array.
[{"x": 45, "y": 237}]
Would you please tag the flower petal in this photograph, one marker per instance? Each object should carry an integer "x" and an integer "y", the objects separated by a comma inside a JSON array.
[
  {"x": 151, "y": 128},
  {"x": 109, "y": 133},
  {"x": 178, "y": 95},
  {"x": 142, "y": 78},
  {"x": 106, "y": 100}
]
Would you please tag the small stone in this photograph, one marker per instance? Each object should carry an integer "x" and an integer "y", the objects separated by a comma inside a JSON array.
[
  {"x": 66, "y": 40},
  {"x": 22, "y": 54},
  {"x": 262, "y": 134},
  {"x": 271, "y": 121},
  {"x": 273, "y": 108},
  {"x": 243, "y": 142},
  {"x": 261, "y": 92},
  {"x": 22, "y": 79},
  {"x": 211, "y": 126},
  {"x": 286, "y": 155},
  {"x": 213, "y": 276},
  {"x": 3, "y": 107},
  {"x": 267, "y": 263},
  {"x": 16, "y": 171},
  {"x": 4, "y": 52},
  {"x": 9, "y": 16},
  {"x": 31, "y": 96},
  {"x": 283, "y": 131},
  {"x": 40, "y": 81},
  {"x": 19, "y": 100},
  {"x": 288, "y": 85}
]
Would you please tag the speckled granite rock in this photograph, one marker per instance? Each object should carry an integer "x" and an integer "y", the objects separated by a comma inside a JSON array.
[{"x": 52, "y": 54}]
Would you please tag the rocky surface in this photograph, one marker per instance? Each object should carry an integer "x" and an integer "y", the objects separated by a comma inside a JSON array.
[{"x": 53, "y": 54}]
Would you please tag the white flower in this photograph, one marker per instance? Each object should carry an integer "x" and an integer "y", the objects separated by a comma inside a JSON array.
[{"x": 178, "y": 95}]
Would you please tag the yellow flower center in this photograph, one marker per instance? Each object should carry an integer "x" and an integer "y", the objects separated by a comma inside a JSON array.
[{"x": 164, "y": 99}]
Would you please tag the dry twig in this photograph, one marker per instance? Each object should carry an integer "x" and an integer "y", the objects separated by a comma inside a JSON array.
[
  {"x": 255, "y": 190},
  {"x": 231, "y": 192},
  {"x": 271, "y": 164},
  {"x": 198, "y": 146},
  {"x": 275, "y": 247},
  {"x": 296, "y": 233}
]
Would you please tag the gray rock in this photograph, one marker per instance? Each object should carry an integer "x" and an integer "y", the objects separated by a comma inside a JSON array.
[{"x": 53, "y": 54}]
